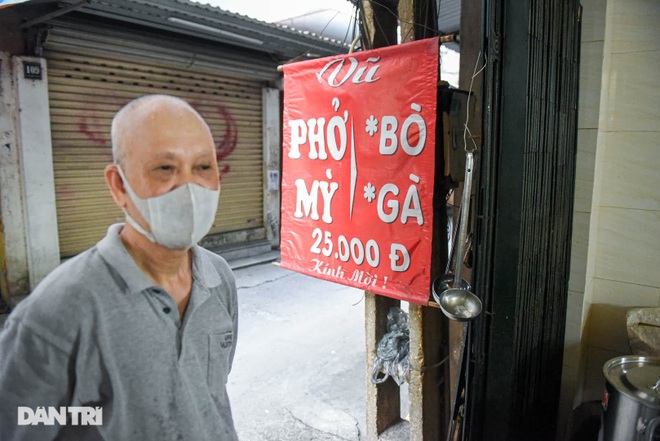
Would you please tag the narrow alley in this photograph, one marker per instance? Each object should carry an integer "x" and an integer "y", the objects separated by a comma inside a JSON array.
[{"x": 299, "y": 369}]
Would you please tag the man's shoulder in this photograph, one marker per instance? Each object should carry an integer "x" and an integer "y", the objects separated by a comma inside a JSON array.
[
  {"x": 63, "y": 296},
  {"x": 78, "y": 274}
]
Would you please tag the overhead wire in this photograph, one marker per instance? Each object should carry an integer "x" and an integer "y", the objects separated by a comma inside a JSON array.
[
  {"x": 352, "y": 48},
  {"x": 328, "y": 24},
  {"x": 358, "y": 22},
  {"x": 380, "y": 28},
  {"x": 413, "y": 23},
  {"x": 377, "y": 23},
  {"x": 348, "y": 29},
  {"x": 320, "y": 34},
  {"x": 362, "y": 20}
]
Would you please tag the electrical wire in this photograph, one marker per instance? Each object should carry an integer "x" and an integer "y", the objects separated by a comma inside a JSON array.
[
  {"x": 359, "y": 25},
  {"x": 352, "y": 48},
  {"x": 413, "y": 23},
  {"x": 363, "y": 27},
  {"x": 466, "y": 130},
  {"x": 348, "y": 29},
  {"x": 377, "y": 23},
  {"x": 320, "y": 34},
  {"x": 328, "y": 24}
]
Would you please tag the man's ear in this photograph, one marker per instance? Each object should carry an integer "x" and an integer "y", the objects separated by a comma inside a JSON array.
[{"x": 116, "y": 185}]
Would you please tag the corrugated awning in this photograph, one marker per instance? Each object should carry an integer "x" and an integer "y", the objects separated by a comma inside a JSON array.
[
  {"x": 449, "y": 16},
  {"x": 206, "y": 22}
]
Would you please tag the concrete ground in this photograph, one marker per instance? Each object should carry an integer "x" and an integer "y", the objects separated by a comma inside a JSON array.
[{"x": 299, "y": 371}]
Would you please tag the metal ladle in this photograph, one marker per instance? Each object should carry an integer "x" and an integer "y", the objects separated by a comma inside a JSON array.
[
  {"x": 446, "y": 281},
  {"x": 456, "y": 302}
]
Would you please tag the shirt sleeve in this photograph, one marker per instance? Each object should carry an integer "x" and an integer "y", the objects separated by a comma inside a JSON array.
[{"x": 34, "y": 373}]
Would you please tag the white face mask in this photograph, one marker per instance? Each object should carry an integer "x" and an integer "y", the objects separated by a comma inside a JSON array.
[{"x": 177, "y": 219}]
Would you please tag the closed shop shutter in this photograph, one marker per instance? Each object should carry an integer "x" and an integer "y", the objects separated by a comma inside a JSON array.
[{"x": 87, "y": 87}]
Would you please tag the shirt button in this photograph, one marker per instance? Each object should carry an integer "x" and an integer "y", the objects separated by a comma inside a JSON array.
[{"x": 166, "y": 310}]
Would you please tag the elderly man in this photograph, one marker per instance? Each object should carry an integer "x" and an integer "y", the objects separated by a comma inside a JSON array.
[{"x": 143, "y": 325}]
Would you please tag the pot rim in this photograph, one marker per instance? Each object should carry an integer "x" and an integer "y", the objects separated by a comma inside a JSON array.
[{"x": 616, "y": 374}]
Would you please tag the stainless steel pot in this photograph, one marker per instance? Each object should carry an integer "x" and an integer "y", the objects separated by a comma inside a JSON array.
[{"x": 631, "y": 401}]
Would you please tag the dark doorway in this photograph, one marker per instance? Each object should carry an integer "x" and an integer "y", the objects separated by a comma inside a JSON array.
[{"x": 524, "y": 217}]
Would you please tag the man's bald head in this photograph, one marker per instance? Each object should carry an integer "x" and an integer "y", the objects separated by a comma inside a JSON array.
[{"x": 144, "y": 112}]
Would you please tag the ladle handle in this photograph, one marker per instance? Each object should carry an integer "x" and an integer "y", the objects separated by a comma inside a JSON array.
[
  {"x": 454, "y": 239},
  {"x": 465, "y": 210}
]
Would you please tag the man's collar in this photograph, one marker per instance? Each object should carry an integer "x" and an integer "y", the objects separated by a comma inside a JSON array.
[
  {"x": 203, "y": 269},
  {"x": 114, "y": 252}
]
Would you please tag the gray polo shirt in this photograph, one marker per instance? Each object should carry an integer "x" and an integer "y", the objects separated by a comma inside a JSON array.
[{"x": 97, "y": 332}]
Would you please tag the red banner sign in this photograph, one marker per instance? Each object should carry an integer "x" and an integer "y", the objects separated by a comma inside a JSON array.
[{"x": 358, "y": 168}]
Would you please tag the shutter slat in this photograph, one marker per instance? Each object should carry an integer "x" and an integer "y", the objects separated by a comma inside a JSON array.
[{"x": 86, "y": 90}]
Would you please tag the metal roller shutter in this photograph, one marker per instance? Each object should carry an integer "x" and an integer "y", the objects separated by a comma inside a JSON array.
[{"x": 85, "y": 90}]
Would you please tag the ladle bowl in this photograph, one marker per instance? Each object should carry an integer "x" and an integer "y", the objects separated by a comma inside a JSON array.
[
  {"x": 457, "y": 304},
  {"x": 460, "y": 304},
  {"x": 445, "y": 282}
]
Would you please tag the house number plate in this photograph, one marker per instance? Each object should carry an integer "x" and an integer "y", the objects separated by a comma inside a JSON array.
[{"x": 31, "y": 70}]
